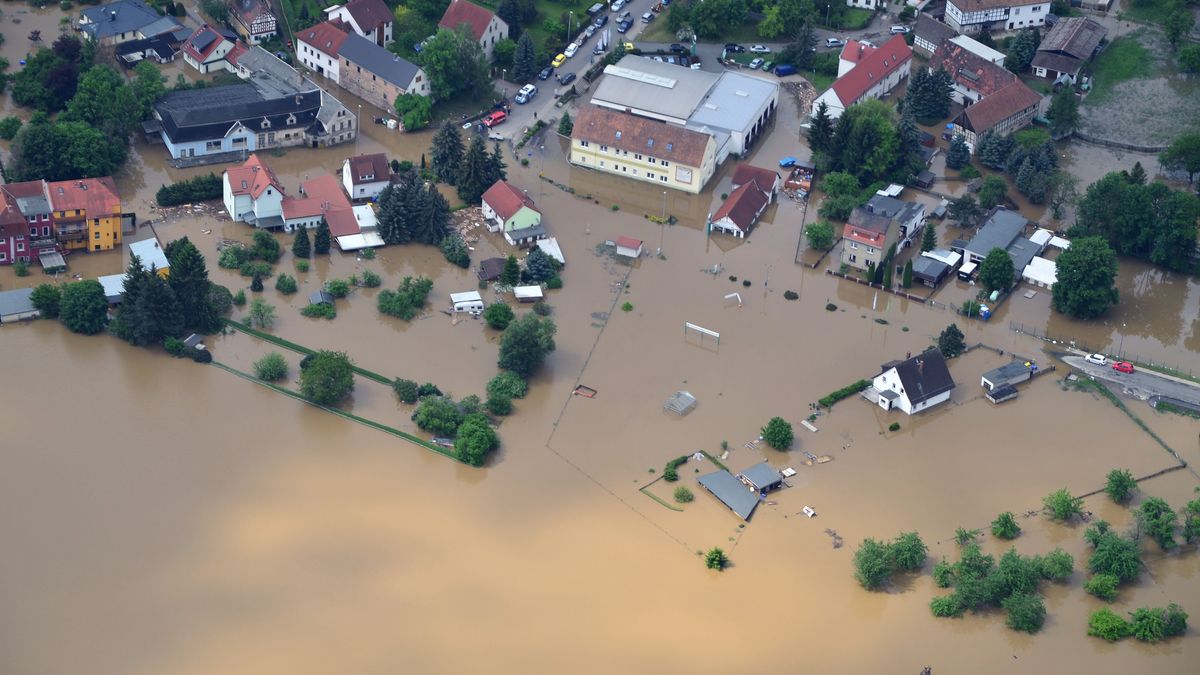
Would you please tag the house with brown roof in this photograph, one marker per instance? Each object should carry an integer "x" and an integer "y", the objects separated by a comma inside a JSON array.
[
  {"x": 973, "y": 77},
  {"x": 87, "y": 213},
  {"x": 852, "y": 53},
  {"x": 876, "y": 74},
  {"x": 369, "y": 18},
  {"x": 973, "y": 16},
  {"x": 643, "y": 149},
  {"x": 876, "y": 226},
  {"x": 27, "y": 226},
  {"x": 253, "y": 20},
  {"x": 1067, "y": 47},
  {"x": 318, "y": 47},
  {"x": 482, "y": 24},
  {"x": 1008, "y": 110},
  {"x": 365, "y": 176},
  {"x": 320, "y": 198},
  {"x": 767, "y": 179},
  {"x": 742, "y": 209},
  {"x": 510, "y": 210}
]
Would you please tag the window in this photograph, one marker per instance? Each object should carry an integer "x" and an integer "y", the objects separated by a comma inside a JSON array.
[
  {"x": 854, "y": 244},
  {"x": 604, "y": 148},
  {"x": 31, "y": 218},
  {"x": 602, "y": 163},
  {"x": 665, "y": 163},
  {"x": 1037, "y": 9},
  {"x": 212, "y": 145},
  {"x": 637, "y": 156},
  {"x": 21, "y": 244},
  {"x": 663, "y": 178},
  {"x": 3, "y": 256},
  {"x": 853, "y": 258},
  {"x": 870, "y": 250},
  {"x": 96, "y": 234},
  {"x": 45, "y": 216},
  {"x": 33, "y": 231},
  {"x": 649, "y": 175},
  {"x": 45, "y": 230},
  {"x": 652, "y": 160},
  {"x": 583, "y": 144}
]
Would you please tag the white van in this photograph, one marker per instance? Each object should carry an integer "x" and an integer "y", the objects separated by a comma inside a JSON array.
[{"x": 470, "y": 301}]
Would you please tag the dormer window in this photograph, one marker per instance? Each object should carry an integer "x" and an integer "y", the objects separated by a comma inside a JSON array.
[
  {"x": 366, "y": 177},
  {"x": 266, "y": 124},
  {"x": 291, "y": 120}
]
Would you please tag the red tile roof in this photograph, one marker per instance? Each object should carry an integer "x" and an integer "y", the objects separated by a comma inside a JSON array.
[
  {"x": 629, "y": 242},
  {"x": 214, "y": 40},
  {"x": 94, "y": 196},
  {"x": 375, "y": 165},
  {"x": 994, "y": 109},
  {"x": 325, "y": 37},
  {"x": 12, "y": 222},
  {"x": 970, "y": 70},
  {"x": 506, "y": 200},
  {"x": 341, "y": 222},
  {"x": 767, "y": 179},
  {"x": 855, "y": 51},
  {"x": 642, "y": 135},
  {"x": 252, "y": 178},
  {"x": 236, "y": 53},
  {"x": 29, "y": 188},
  {"x": 743, "y": 206},
  {"x": 323, "y": 196},
  {"x": 461, "y": 11},
  {"x": 876, "y": 66},
  {"x": 369, "y": 14}
]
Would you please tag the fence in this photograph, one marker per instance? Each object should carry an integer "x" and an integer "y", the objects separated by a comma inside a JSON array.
[
  {"x": 864, "y": 282},
  {"x": 1121, "y": 354}
]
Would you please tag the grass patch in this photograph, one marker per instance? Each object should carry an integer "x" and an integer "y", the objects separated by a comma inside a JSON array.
[
  {"x": 820, "y": 81},
  {"x": 1165, "y": 407},
  {"x": 658, "y": 31},
  {"x": 1149, "y": 11},
  {"x": 853, "y": 19},
  {"x": 1124, "y": 59},
  {"x": 660, "y": 500}
]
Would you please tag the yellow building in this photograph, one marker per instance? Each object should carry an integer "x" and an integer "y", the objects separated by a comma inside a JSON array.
[
  {"x": 87, "y": 213},
  {"x": 643, "y": 149}
]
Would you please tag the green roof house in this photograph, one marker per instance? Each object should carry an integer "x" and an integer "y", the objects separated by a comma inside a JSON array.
[{"x": 510, "y": 210}]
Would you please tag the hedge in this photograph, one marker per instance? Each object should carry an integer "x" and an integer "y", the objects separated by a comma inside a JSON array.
[
  {"x": 198, "y": 189},
  {"x": 844, "y": 392}
]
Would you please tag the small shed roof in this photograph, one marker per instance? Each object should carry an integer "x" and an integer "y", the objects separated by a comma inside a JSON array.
[
  {"x": 354, "y": 242},
  {"x": 468, "y": 296},
  {"x": 491, "y": 268},
  {"x": 929, "y": 268},
  {"x": 16, "y": 302},
  {"x": 114, "y": 287},
  {"x": 150, "y": 254},
  {"x": 551, "y": 248},
  {"x": 1041, "y": 237},
  {"x": 321, "y": 297},
  {"x": 762, "y": 476},
  {"x": 1006, "y": 372},
  {"x": 731, "y": 492},
  {"x": 1041, "y": 271},
  {"x": 941, "y": 255},
  {"x": 193, "y": 340},
  {"x": 524, "y": 293}
]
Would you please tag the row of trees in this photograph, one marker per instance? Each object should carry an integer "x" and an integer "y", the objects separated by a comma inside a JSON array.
[
  {"x": 980, "y": 583},
  {"x": 472, "y": 170},
  {"x": 1031, "y": 158},
  {"x": 413, "y": 211}
]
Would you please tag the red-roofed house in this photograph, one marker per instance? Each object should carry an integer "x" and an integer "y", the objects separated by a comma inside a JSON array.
[
  {"x": 14, "y": 244},
  {"x": 879, "y": 72},
  {"x": 511, "y": 210},
  {"x": 322, "y": 197},
  {"x": 207, "y": 49},
  {"x": 253, "y": 194},
  {"x": 741, "y": 210},
  {"x": 365, "y": 176},
  {"x": 767, "y": 179},
  {"x": 852, "y": 53},
  {"x": 87, "y": 213},
  {"x": 318, "y": 47},
  {"x": 483, "y": 24},
  {"x": 369, "y": 18},
  {"x": 33, "y": 204},
  {"x": 629, "y": 247}
]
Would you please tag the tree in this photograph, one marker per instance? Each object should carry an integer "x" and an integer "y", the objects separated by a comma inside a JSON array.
[
  {"x": 414, "y": 110},
  {"x": 148, "y": 86},
  {"x": 338, "y": 288},
  {"x": 1062, "y": 506},
  {"x": 46, "y": 299},
  {"x": 1026, "y": 612},
  {"x": 872, "y": 564},
  {"x": 454, "y": 63},
  {"x": 438, "y": 415},
  {"x": 993, "y": 191},
  {"x": 1063, "y": 112},
  {"x": 64, "y": 150},
  {"x": 1157, "y": 519},
  {"x": 189, "y": 282},
  {"x": 475, "y": 440},
  {"x": 908, "y": 552},
  {"x": 103, "y": 100},
  {"x": 1107, "y": 625},
  {"x": 907, "y": 280},
  {"x": 993, "y": 149},
  {"x": 868, "y": 145},
  {"x": 496, "y": 165},
  {"x": 216, "y": 10},
  {"x": 524, "y": 60},
  {"x": 951, "y": 342},
  {"x": 507, "y": 385},
  {"x": 286, "y": 284},
  {"x": 301, "y": 247},
  {"x": 1022, "y": 49},
  {"x": 1086, "y": 274},
  {"x": 1031, "y": 182},
  {"x": 1117, "y": 556},
  {"x": 328, "y": 378},
  {"x": 406, "y": 390},
  {"x": 9, "y": 126},
  {"x": 715, "y": 559},
  {"x": 1151, "y": 222},
  {"x": 262, "y": 313},
  {"x": 271, "y": 367},
  {"x": 498, "y": 315},
  {"x": 1191, "y": 521},
  {"x": 84, "y": 308},
  {"x": 446, "y": 154},
  {"x": 539, "y": 266},
  {"x": 820, "y": 235},
  {"x": 820, "y": 131},
  {"x": 778, "y": 433},
  {"x": 959, "y": 155},
  {"x": 256, "y": 283},
  {"x": 475, "y": 175},
  {"x": 511, "y": 274},
  {"x": 566, "y": 125},
  {"x": 321, "y": 240},
  {"x": 1057, "y": 565},
  {"x": 1103, "y": 586},
  {"x": 525, "y": 344},
  {"x": 1189, "y": 59},
  {"x": 407, "y": 300},
  {"x": 964, "y": 210},
  {"x": 711, "y": 18},
  {"x": 396, "y": 203},
  {"x": 1178, "y": 24},
  {"x": 1005, "y": 526},
  {"x": 996, "y": 270},
  {"x": 1148, "y": 624},
  {"x": 150, "y": 310},
  {"x": 1061, "y": 189},
  {"x": 929, "y": 239},
  {"x": 842, "y": 195},
  {"x": 1119, "y": 485},
  {"x": 1183, "y": 155},
  {"x": 455, "y": 251}
]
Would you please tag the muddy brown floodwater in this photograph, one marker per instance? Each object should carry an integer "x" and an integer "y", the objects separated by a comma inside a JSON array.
[{"x": 163, "y": 517}]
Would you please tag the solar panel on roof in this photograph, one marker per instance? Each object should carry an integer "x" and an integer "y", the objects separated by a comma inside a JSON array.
[{"x": 203, "y": 40}]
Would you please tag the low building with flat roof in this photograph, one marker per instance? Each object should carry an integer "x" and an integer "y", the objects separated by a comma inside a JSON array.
[
  {"x": 731, "y": 492},
  {"x": 739, "y": 105},
  {"x": 653, "y": 89}
]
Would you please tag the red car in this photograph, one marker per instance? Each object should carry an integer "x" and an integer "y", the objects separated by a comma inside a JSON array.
[
  {"x": 494, "y": 118},
  {"x": 1123, "y": 367}
]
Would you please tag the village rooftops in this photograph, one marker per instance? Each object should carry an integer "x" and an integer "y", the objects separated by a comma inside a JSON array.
[
  {"x": 379, "y": 61},
  {"x": 253, "y": 178},
  {"x": 733, "y": 103},
  {"x": 970, "y": 70},
  {"x": 199, "y": 114},
  {"x": 1074, "y": 36},
  {"x": 629, "y": 242},
  {"x": 968, "y": 6},
  {"x": 125, "y": 16},
  {"x": 506, "y": 200},
  {"x": 150, "y": 253},
  {"x": 249, "y": 10},
  {"x": 204, "y": 41},
  {"x": 931, "y": 30},
  {"x": 623, "y": 131},
  {"x": 371, "y": 168},
  {"x": 855, "y": 51},
  {"x": 731, "y": 492},
  {"x": 94, "y": 196},
  {"x": 1005, "y": 103},
  {"x": 766, "y": 179},
  {"x": 872, "y": 69},
  {"x": 30, "y": 196},
  {"x": 326, "y": 38},
  {"x": 462, "y": 12},
  {"x": 999, "y": 229},
  {"x": 1007, "y": 371},
  {"x": 369, "y": 14},
  {"x": 923, "y": 376}
]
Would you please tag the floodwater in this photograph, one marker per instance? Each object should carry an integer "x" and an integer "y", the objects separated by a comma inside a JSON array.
[{"x": 172, "y": 518}]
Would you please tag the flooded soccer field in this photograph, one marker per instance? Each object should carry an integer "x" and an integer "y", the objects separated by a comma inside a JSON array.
[{"x": 163, "y": 517}]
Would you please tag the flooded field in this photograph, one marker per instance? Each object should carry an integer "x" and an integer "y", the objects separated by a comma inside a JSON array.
[{"x": 171, "y": 518}]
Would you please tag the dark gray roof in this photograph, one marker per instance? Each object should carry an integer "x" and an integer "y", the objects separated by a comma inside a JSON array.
[
  {"x": 931, "y": 30},
  {"x": 124, "y": 16},
  {"x": 923, "y": 376},
  {"x": 320, "y": 297},
  {"x": 1059, "y": 63},
  {"x": 193, "y": 340},
  {"x": 37, "y": 204},
  {"x": 384, "y": 64},
  {"x": 165, "y": 45},
  {"x": 1006, "y": 371},
  {"x": 928, "y": 268},
  {"x": 1022, "y": 251},
  {"x": 18, "y": 302},
  {"x": 491, "y": 268},
  {"x": 998, "y": 231},
  {"x": 731, "y": 491},
  {"x": 198, "y": 114},
  {"x": 762, "y": 476}
]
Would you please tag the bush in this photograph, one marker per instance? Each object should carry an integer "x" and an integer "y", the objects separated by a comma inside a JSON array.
[
  {"x": 499, "y": 405},
  {"x": 1119, "y": 484},
  {"x": 1057, "y": 565},
  {"x": 232, "y": 257},
  {"x": 285, "y": 284},
  {"x": 715, "y": 559},
  {"x": 370, "y": 279},
  {"x": 969, "y": 172},
  {"x": 1103, "y": 586},
  {"x": 542, "y": 309},
  {"x": 498, "y": 315},
  {"x": 683, "y": 495},
  {"x": 963, "y": 536},
  {"x": 627, "y": 307},
  {"x": 951, "y": 342},
  {"x": 908, "y": 552},
  {"x": 1157, "y": 519},
  {"x": 9, "y": 126},
  {"x": 266, "y": 246},
  {"x": 21, "y": 268},
  {"x": 943, "y": 574},
  {"x": 174, "y": 346},
  {"x": 1061, "y": 505},
  {"x": 438, "y": 415},
  {"x": 1107, "y": 625},
  {"x": 946, "y": 606},
  {"x": 872, "y": 564},
  {"x": 367, "y": 253},
  {"x": 894, "y": 426},
  {"x": 338, "y": 288},
  {"x": 554, "y": 283},
  {"x": 507, "y": 384},
  {"x": 239, "y": 298},
  {"x": 407, "y": 300},
  {"x": 302, "y": 266},
  {"x": 1115, "y": 555},
  {"x": 791, "y": 295},
  {"x": 455, "y": 251},
  {"x": 428, "y": 389},
  {"x": 844, "y": 392},
  {"x": 406, "y": 390},
  {"x": 1148, "y": 624},
  {"x": 670, "y": 474},
  {"x": 201, "y": 356},
  {"x": 254, "y": 268},
  {"x": 475, "y": 440},
  {"x": 198, "y": 189},
  {"x": 1026, "y": 612},
  {"x": 778, "y": 433},
  {"x": 323, "y": 310},
  {"x": 1005, "y": 526},
  {"x": 46, "y": 299},
  {"x": 271, "y": 367},
  {"x": 820, "y": 235}
]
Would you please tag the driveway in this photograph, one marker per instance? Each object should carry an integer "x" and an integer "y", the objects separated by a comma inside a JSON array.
[{"x": 1140, "y": 384}]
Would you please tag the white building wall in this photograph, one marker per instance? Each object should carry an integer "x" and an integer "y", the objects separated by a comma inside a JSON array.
[{"x": 318, "y": 61}]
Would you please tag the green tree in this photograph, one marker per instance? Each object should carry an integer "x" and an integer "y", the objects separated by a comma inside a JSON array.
[
  {"x": 842, "y": 195},
  {"x": 1021, "y": 50},
  {"x": 908, "y": 552},
  {"x": 993, "y": 191},
  {"x": 539, "y": 266},
  {"x": 872, "y": 564},
  {"x": 943, "y": 574},
  {"x": 507, "y": 385},
  {"x": 1063, "y": 112},
  {"x": 1062, "y": 506},
  {"x": 475, "y": 440},
  {"x": 964, "y": 210},
  {"x": 1107, "y": 625},
  {"x": 1183, "y": 155},
  {"x": 396, "y": 206},
  {"x": 716, "y": 559},
  {"x": 511, "y": 274},
  {"x": 993, "y": 149},
  {"x": 525, "y": 344},
  {"x": 996, "y": 270},
  {"x": 1151, "y": 222},
  {"x": 262, "y": 313},
  {"x": 475, "y": 174},
  {"x": 566, "y": 125},
  {"x": 683, "y": 495},
  {"x": 438, "y": 415},
  {"x": 820, "y": 235},
  {"x": 328, "y": 378},
  {"x": 498, "y": 315},
  {"x": 820, "y": 131},
  {"x": 1026, "y": 612},
  {"x": 455, "y": 251},
  {"x": 301, "y": 246},
  {"x": 1057, "y": 565},
  {"x": 524, "y": 60},
  {"x": 103, "y": 100},
  {"x": 286, "y": 284},
  {"x": 959, "y": 155},
  {"x": 256, "y": 283},
  {"x": 446, "y": 154},
  {"x": 1086, "y": 274},
  {"x": 868, "y": 145},
  {"x": 1117, "y": 556},
  {"x": 64, "y": 150},
  {"x": 929, "y": 239},
  {"x": 907, "y": 280},
  {"x": 454, "y": 63},
  {"x": 84, "y": 308},
  {"x": 1119, "y": 484},
  {"x": 1188, "y": 59},
  {"x": 9, "y": 127},
  {"x": 148, "y": 86},
  {"x": 1148, "y": 624},
  {"x": 406, "y": 390},
  {"x": 1005, "y": 526},
  {"x": 430, "y": 217},
  {"x": 1103, "y": 586},
  {"x": 338, "y": 288},
  {"x": 711, "y": 18},
  {"x": 951, "y": 342},
  {"x": 1178, "y": 24},
  {"x": 1191, "y": 521},
  {"x": 407, "y": 300},
  {"x": 414, "y": 110},
  {"x": 216, "y": 10},
  {"x": 189, "y": 282},
  {"x": 47, "y": 299},
  {"x": 778, "y": 433},
  {"x": 321, "y": 240},
  {"x": 271, "y": 367},
  {"x": 1157, "y": 519}
]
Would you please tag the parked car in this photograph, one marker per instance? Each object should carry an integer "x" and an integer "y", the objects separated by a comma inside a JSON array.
[
  {"x": 1123, "y": 367},
  {"x": 598, "y": 49},
  {"x": 559, "y": 60},
  {"x": 760, "y": 49},
  {"x": 678, "y": 48},
  {"x": 571, "y": 49},
  {"x": 834, "y": 42},
  {"x": 785, "y": 69},
  {"x": 495, "y": 117},
  {"x": 1098, "y": 359},
  {"x": 734, "y": 48},
  {"x": 546, "y": 73},
  {"x": 566, "y": 79},
  {"x": 629, "y": 47},
  {"x": 899, "y": 30},
  {"x": 616, "y": 6},
  {"x": 756, "y": 64},
  {"x": 647, "y": 17},
  {"x": 624, "y": 26},
  {"x": 625, "y": 16},
  {"x": 602, "y": 21},
  {"x": 590, "y": 30},
  {"x": 526, "y": 94}
]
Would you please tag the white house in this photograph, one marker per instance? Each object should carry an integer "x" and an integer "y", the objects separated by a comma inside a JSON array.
[
  {"x": 318, "y": 47},
  {"x": 208, "y": 49},
  {"x": 629, "y": 247},
  {"x": 483, "y": 24},
  {"x": 878, "y": 72},
  {"x": 913, "y": 385},
  {"x": 510, "y": 210},
  {"x": 742, "y": 209},
  {"x": 253, "y": 195},
  {"x": 972, "y": 16},
  {"x": 369, "y": 18},
  {"x": 867, "y": 4},
  {"x": 365, "y": 176}
]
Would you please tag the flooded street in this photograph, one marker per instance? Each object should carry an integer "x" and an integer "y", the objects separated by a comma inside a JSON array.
[{"x": 170, "y": 518}]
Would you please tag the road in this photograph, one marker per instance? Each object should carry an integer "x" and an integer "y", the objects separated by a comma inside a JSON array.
[{"x": 1140, "y": 384}]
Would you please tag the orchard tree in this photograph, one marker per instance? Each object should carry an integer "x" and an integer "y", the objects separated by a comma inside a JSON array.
[
  {"x": 1119, "y": 485},
  {"x": 84, "y": 307},
  {"x": 327, "y": 378},
  {"x": 1086, "y": 279},
  {"x": 996, "y": 271},
  {"x": 778, "y": 433},
  {"x": 1062, "y": 506},
  {"x": 525, "y": 344},
  {"x": 262, "y": 313}
]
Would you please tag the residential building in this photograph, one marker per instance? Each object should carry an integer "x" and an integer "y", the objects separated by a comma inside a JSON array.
[
  {"x": 731, "y": 492},
  {"x": 742, "y": 209},
  {"x": 14, "y": 239},
  {"x": 32, "y": 204},
  {"x": 972, "y": 16},
  {"x": 1009, "y": 109},
  {"x": 482, "y": 24},
  {"x": 511, "y": 210},
  {"x": 767, "y": 179},
  {"x": 358, "y": 65},
  {"x": 318, "y": 47},
  {"x": 162, "y": 48},
  {"x": 867, "y": 4},
  {"x": 643, "y": 149},
  {"x": 365, "y": 176},
  {"x": 876, "y": 226},
  {"x": 87, "y": 214},
  {"x": 876, "y": 75},
  {"x": 320, "y": 198},
  {"x": 761, "y": 478},
  {"x": 369, "y": 18},
  {"x": 913, "y": 385},
  {"x": 979, "y": 49},
  {"x": 206, "y": 49},
  {"x": 252, "y": 194},
  {"x": 122, "y": 21},
  {"x": 929, "y": 34},
  {"x": 1005, "y": 230},
  {"x": 1067, "y": 47},
  {"x": 152, "y": 255},
  {"x": 276, "y": 108},
  {"x": 17, "y": 305},
  {"x": 973, "y": 77},
  {"x": 253, "y": 20},
  {"x": 852, "y": 53}
]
